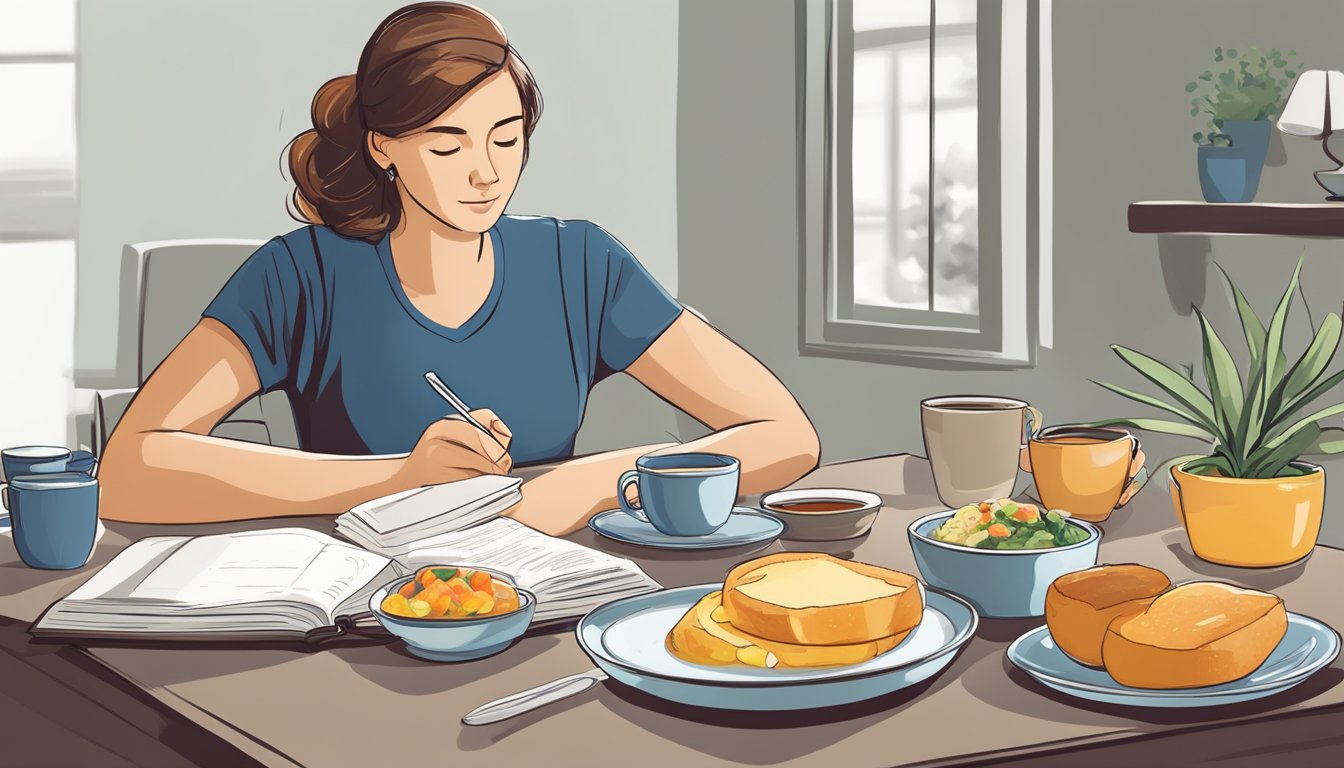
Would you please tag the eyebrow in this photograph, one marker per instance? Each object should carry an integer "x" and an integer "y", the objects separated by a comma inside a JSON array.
[{"x": 454, "y": 130}]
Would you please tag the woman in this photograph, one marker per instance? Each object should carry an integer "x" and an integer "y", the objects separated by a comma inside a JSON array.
[{"x": 409, "y": 266}]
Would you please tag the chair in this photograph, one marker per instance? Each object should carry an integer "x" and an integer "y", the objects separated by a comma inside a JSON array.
[{"x": 177, "y": 280}]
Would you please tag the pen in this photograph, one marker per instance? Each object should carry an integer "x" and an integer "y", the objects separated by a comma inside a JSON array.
[{"x": 455, "y": 402}]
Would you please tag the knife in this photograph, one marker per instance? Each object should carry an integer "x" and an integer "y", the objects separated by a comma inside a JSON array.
[{"x": 523, "y": 702}]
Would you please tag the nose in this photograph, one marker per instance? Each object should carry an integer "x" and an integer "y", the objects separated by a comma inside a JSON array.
[{"x": 483, "y": 173}]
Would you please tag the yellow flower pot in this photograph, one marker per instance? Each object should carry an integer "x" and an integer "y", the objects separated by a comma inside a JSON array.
[{"x": 1250, "y": 523}]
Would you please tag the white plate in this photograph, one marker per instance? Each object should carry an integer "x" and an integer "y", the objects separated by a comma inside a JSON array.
[
  {"x": 1307, "y": 647},
  {"x": 628, "y": 639}
]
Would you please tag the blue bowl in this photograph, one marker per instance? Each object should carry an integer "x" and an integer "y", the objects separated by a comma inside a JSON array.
[
  {"x": 1000, "y": 583},
  {"x": 457, "y": 639}
]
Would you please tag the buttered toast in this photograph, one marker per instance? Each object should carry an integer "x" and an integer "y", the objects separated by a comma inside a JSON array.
[
  {"x": 705, "y": 636},
  {"x": 814, "y": 599}
]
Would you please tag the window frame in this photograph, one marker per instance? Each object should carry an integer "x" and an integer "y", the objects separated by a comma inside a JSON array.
[{"x": 1011, "y": 259}]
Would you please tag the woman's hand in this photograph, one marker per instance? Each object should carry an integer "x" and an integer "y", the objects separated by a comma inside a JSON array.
[{"x": 451, "y": 449}]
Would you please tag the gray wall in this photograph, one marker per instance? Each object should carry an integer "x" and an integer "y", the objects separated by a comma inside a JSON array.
[
  {"x": 1122, "y": 133},
  {"x": 185, "y": 108}
]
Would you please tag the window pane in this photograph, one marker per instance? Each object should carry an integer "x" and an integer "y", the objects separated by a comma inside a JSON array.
[
  {"x": 954, "y": 11},
  {"x": 890, "y": 162},
  {"x": 872, "y": 131},
  {"x": 885, "y": 14},
  {"x": 37, "y": 27},
  {"x": 37, "y": 150},
  {"x": 956, "y": 253}
]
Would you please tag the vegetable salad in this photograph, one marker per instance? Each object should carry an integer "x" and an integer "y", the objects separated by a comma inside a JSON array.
[{"x": 1007, "y": 524}]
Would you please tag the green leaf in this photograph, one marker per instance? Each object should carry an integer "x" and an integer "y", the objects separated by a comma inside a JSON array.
[
  {"x": 1272, "y": 360},
  {"x": 1231, "y": 53},
  {"x": 1139, "y": 397},
  {"x": 1191, "y": 86},
  {"x": 1310, "y": 395},
  {"x": 1301, "y": 424},
  {"x": 1171, "y": 381},
  {"x": 1328, "y": 443},
  {"x": 1270, "y": 460},
  {"x": 1290, "y": 74},
  {"x": 1158, "y": 425},
  {"x": 1309, "y": 369},
  {"x": 1202, "y": 465},
  {"x": 1224, "y": 380},
  {"x": 1251, "y": 327}
]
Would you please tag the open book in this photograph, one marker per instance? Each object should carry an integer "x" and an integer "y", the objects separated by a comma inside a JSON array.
[{"x": 293, "y": 583}]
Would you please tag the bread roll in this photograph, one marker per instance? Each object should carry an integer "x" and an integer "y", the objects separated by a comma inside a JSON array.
[
  {"x": 810, "y": 598},
  {"x": 1197, "y": 634},
  {"x": 1080, "y": 605},
  {"x": 703, "y": 636}
]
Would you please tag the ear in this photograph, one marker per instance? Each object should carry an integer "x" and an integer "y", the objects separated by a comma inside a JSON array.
[{"x": 375, "y": 142}]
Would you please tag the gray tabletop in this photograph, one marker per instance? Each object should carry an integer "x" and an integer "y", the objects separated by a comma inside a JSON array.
[{"x": 373, "y": 705}]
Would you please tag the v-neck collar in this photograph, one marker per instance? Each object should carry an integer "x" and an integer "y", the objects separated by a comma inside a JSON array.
[{"x": 477, "y": 319}]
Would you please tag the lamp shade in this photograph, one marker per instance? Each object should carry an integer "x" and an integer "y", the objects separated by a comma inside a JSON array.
[{"x": 1315, "y": 91}]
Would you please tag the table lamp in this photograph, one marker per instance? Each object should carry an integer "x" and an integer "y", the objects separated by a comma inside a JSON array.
[{"x": 1315, "y": 108}]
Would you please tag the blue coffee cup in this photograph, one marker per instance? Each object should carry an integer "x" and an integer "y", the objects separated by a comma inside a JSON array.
[
  {"x": 41, "y": 459},
  {"x": 54, "y": 517},
  {"x": 683, "y": 494}
]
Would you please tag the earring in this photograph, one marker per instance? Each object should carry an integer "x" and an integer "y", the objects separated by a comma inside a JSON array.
[{"x": 391, "y": 173}]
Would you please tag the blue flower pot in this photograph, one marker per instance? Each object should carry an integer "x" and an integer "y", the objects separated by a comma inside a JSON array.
[{"x": 1232, "y": 174}]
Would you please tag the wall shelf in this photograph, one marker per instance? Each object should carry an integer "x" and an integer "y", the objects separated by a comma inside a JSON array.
[{"x": 1184, "y": 217}]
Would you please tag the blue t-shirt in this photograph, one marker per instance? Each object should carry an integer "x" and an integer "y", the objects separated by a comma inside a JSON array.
[{"x": 326, "y": 321}]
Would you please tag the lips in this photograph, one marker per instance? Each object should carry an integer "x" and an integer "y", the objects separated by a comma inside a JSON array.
[{"x": 479, "y": 206}]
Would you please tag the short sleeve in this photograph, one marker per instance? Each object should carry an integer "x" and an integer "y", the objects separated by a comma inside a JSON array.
[
  {"x": 260, "y": 303},
  {"x": 635, "y": 310}
]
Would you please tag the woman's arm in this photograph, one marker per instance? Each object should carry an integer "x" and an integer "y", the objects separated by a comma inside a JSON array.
[
  {"x": 699, "y": 370},
  {"x": 161, "y": 465}
]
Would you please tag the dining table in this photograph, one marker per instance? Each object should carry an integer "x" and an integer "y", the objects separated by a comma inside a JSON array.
[{"x": 376, "y": 704}]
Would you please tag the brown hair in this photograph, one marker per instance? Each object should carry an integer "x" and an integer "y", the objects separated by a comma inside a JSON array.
[{"x": 419, "y": 61}]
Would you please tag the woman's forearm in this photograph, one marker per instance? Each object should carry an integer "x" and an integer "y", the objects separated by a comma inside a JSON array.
[
  {"x": 180, "y": 477},
  {"x": 773, "y": 454}
]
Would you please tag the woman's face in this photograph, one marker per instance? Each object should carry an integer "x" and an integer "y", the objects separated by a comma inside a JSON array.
[{"x": 464, "y": 165}]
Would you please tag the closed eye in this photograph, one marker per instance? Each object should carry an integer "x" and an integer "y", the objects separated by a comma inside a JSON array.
[
  {"x": 442, "y": 152},
  {"x": 508, "y": 143}
]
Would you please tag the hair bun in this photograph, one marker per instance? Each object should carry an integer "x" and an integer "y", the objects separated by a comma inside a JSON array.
[{"x": 336, "y": 112}]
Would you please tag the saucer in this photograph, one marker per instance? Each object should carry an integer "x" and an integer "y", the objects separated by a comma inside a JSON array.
[{"x": 745, "y": 526}]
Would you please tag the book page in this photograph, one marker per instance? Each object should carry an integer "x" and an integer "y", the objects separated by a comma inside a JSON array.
[
  {"x": 257, "y": 566},
  {"x": 530, "y": 557}
]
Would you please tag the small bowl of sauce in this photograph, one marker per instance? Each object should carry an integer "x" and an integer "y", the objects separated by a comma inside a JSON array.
[{"x": 823, "y": 514}]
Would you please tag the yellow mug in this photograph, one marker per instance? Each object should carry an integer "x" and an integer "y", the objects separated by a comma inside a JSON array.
[{"x": 1086, "y": 471}]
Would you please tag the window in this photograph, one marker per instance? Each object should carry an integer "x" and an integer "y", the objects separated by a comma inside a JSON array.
[
  {"x": 922, "y": 180},
  {"x": 38, "y": 218},
  {"x": 37, "y": 120}
]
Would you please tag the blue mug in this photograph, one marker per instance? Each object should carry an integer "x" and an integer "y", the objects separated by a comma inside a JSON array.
[
  {"x": 40, "y": 459},
  {"x": 683, "y": 494},
  {"x": 54, "y": 517}
]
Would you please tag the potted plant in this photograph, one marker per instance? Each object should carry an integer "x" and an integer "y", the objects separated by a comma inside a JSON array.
[
  {"x": 1250, "y": 500},
  {"x": 1240, "y": 102}
]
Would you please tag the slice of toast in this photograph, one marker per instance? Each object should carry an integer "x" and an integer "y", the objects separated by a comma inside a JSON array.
[
  {"x": 1196, "y": 634},
  {"x": 704, "y": 636},
  {"x": 811, "y": 598}
]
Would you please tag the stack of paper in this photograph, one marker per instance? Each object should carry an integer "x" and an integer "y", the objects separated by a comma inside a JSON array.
[
  {"x": 568, "y": 579},
  {"x": 421, "y": 516}
]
